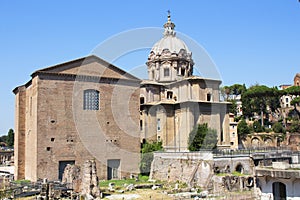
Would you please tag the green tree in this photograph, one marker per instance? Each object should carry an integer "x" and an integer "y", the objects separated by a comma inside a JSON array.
[
  {"x": 147, "y": 156},
  {"x": 294, "y": 90},
  {"x": 278, "y": 127},
  {"x": 243, "y": 129},
  {"x": 202, "y": 137},
  {"x": 295, "y": 101},
  {"x": 257, "y": 98},
  {"x": 3, "y": 138},
  {"x": 236, "y": 89},
  {"x": 233, "y": 107},
  {"x": 257, "y": 127},
  {"x": 295, "y": 126},
  {"x": 10, "y": 138}
]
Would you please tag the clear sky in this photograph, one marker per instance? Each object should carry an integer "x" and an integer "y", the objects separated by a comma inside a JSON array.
[{"x": 250, "y": 41}]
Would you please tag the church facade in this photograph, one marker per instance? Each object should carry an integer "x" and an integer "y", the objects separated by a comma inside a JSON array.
[
  {"x": 174, "y": 101},
  {"x": 90, "y": 109}
]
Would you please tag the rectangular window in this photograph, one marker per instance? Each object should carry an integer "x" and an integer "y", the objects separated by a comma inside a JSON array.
[
  {"x": 208, "y": 97},
  {"x": 113, "y": 169},
  {"x": 286, "y": 100},
  {"x": 158, "y": 125},
  {"x": 166, "y": 72},
  {"x": 169, "y": 95},
  {"x": 141, "y": 125},
  {"x": 91, "y": 100},
  {"x": 30, "y": 106}
]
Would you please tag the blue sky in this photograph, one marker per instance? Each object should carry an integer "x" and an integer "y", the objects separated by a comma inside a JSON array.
[{"x": 250, "y": 41}]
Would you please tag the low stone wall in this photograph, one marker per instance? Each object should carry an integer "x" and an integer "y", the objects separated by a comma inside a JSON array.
[
  {"x": 83, "y": 180},
  {"x": 230, "y": 183},
  {"x": 195, "y": 168},
  {"x": 229, "y": 164}
]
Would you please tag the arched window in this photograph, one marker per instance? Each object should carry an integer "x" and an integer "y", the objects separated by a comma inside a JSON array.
[{"x": 91, "y": 99}]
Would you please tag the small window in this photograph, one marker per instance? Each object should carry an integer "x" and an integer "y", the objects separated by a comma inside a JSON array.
[
  {"x": 142, "y": 100},
  {"x": 208, "y": 97},
  {"x": 169, "y": 95},
  {"x": 52, "y": 139},
  {"x": 141, "y": 125},
  {"x": 286, "y": 100},
  {"x": 91, "y": 100},
  {"x": 158, "y": 138},
  {"x": 158, "y": 125},
  {"x": 48, "y": 148},
  {"x": 231, "y": 143},
  {"x": 152, "y": 74},
  {"x": 182, "y": 71},
  {"x": 166, "y": 72}
]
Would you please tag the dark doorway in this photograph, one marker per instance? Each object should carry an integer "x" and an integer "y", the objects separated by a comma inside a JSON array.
[
  {"x": 142, "y": 100},
  {"x": 279, "y": 191},
  {"x": 113, "y": 169},
  {"x": 62, "y": 165},
  {"x": 239, "y": 168}
]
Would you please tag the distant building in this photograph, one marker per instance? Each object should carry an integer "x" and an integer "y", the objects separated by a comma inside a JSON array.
[
  {"x": 297, "y": 79},
  {"x": 239, "y": 104},
  {"x": 234, "y": 142},
  {"x": 285, "y": 100}
]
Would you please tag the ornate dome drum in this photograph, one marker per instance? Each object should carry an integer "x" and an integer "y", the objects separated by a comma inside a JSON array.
[{"x": 169, "y": 59}]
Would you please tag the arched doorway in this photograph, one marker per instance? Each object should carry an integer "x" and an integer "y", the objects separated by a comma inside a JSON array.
[
  {"x": 239, "y": 168},
  {"x": 255, "y": 143},
  {"x": 279, "y": 191}
]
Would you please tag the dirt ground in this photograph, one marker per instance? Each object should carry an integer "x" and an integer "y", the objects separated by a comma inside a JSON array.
[
  {"x": 144, "y": 194},
  {"x": 148, "y": 194}
]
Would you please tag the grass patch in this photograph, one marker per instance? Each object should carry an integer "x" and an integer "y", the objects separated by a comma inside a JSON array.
[
  {"x": 235, "y": 173},
  {"x": 222, "y": 174},
  {"x": 21, "y": 182},
  {"x": 121, "y": 183}
]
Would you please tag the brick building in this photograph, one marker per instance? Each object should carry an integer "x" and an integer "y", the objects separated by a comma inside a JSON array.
[{"x": 69, "y": 113}]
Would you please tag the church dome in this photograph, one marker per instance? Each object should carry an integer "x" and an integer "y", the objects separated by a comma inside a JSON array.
[
  {"x": 169, "y": 42},
  {"x": 169, "y": 59}
]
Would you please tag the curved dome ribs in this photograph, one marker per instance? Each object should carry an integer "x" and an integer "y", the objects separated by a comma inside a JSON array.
[{"x": 171, "y": 49}]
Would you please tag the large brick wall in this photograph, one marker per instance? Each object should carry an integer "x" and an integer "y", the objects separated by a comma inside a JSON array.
[{"x": 53, "y": 127}]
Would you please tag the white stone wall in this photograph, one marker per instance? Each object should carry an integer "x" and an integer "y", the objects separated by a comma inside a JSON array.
[
  {"x": 292, "y": 188},
  {"x": 190, "y": 168}
]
